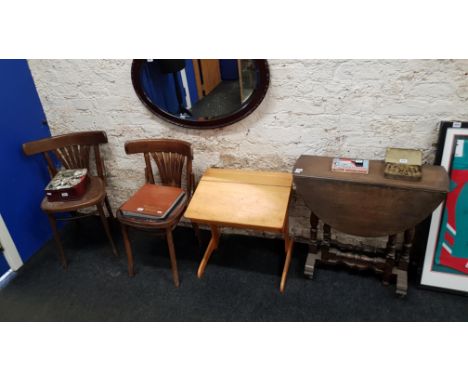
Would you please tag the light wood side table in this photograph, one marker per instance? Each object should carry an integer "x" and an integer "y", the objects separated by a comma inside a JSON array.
[{"x": 256, "y": 200}]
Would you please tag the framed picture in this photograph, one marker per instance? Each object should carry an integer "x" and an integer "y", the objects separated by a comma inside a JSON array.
[
  {"x": 443, "y": 126},
  {"x": 446, "y": 259}
]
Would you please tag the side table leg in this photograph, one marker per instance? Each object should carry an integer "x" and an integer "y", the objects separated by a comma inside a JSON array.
[
  {"x": 286, "y": 236},
  {"x": 402, "y": 266},
  {"x": 390, "y": 259},
  {"x": 316, "y": 253},
  {"x": 289, "y": 242},
  {"x": 313, "y": 246},
  {"x": 212, "y": 245},
  {"x": 407, "y": 245},
  {"x": 325, "y": 247},
  {"x": 401, "y": 282},
  {"x": 309, "y": 267}
]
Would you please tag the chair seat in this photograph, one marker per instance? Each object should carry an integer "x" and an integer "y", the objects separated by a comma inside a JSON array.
[
  {"x": 95, "y": 193},
  {"x": 145, "y": 224}
]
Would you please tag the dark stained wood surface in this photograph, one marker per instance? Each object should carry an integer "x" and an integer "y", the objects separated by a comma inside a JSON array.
[
  {"x": 170, "y": 156},
  {"x": 74, "y": 150},
  {"x": 368, "y": 204},
  {"x": 434, "y": 177}
]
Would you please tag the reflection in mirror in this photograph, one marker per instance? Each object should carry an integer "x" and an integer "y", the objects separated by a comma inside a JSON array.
[{"x": 199, "y": 89}]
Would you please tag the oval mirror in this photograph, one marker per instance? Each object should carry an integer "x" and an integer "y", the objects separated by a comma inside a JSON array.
[{"x": 201, "y": 93}]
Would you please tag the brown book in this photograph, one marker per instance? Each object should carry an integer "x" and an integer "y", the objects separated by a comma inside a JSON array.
[{"x": 153, "y": 202}]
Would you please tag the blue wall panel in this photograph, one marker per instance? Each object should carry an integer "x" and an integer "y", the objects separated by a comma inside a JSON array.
[
  {"x": 228, "y": 69},
  {"x": 3, "y": 264},
  {"x": 23, "y": 178},
  {"x": 159, "y": 87},
  {"x": 192, "y": 84}
]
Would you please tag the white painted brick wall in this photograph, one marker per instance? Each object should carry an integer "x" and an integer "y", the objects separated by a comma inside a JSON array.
[{"x": 355, "y": 108}]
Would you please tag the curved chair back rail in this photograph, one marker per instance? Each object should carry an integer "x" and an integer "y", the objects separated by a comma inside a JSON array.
[
  {"x": 71, "y": 150},
  {"x": 170, "y": 156}
]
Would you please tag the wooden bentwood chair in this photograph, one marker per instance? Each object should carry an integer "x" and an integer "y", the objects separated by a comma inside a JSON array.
[
  {"x": 170, "y": 156},
  {"x": 73, "y": 151}
]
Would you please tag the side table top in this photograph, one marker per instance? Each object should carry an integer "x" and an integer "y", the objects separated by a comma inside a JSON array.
[
  {"x": 368, "y": 204},
  {"x": 434, "y": 178},
  {"x": 241, "y": 198}
]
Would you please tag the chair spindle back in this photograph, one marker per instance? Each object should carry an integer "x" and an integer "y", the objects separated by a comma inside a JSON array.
[
  {"x": 170, "y": 156},
  {"x": 71, "y": 150}
]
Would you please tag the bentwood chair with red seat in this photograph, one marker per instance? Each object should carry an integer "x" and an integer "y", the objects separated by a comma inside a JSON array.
[
  {"x": 74, "y": 151},
  {"x": 171, "y": 156}
]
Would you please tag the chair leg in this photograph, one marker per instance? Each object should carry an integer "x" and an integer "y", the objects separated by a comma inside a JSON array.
[
  {"x": 74, "y": 214},
  {"x": 128, "y": 250},
  {"x": 196, "y": 228},
  {"x": 53, "y": 224},
  {"x": 108, "y": 207},
  {"x": 170, "y": 244},
  {"x": 106, "y": 228}
]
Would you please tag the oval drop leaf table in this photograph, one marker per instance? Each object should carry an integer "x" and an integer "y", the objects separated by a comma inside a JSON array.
[{"x": 368, "y": 205}]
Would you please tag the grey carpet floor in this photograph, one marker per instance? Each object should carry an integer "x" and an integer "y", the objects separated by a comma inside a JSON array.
[{"x": 240, "y": 284}]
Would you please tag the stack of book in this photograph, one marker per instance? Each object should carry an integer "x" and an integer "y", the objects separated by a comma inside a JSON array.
[{"x": 153, "y": 202}]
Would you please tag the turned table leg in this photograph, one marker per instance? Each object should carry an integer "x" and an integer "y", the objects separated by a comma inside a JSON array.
[
  {"x": 402, "y": 266},
  {"x": 407, "y": 245},
  {"x": 325, "y": 246},
  {"x": 313, "y": 255},
  {"x": 389, "y": 259},
  {"x": 313, "y": 246}
]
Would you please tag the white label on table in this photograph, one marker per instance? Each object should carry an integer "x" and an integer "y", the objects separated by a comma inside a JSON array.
[
  {"x": 403, "y": 160},
  {"x": 298, "y": 170}
]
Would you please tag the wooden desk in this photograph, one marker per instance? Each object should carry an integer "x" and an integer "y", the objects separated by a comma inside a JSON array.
[
  {"x": 367, "y": 205},
  {"x": 255, "y": 200}
]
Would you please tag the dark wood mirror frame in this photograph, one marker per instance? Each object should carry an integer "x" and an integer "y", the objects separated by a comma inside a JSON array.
[{"x": 248, "y": 107}]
